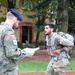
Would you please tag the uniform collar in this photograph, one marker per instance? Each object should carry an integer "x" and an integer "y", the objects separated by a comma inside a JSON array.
[{"x": 3, "y": 23}]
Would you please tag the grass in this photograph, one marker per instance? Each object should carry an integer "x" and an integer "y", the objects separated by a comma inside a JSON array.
[
  {"x": 71, "y": 65},
  {"x": 33, "y": 65},
  {"x": 39, "y": 65}
]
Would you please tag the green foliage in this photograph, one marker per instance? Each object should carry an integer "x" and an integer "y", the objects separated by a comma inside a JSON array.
[
  {"x": 2, "y": 19},
  {"x": 42, "y": 4},
  {"x": 30, "y": 45},
  {"x": 40, "y": 42},
  {"x": 40, "y": 8},
  {"x": 24, "y": 45},
  {"x": 71, "y": 27}
]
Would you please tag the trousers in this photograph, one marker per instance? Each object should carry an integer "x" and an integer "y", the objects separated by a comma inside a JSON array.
[{"x": 57, "y": 67}]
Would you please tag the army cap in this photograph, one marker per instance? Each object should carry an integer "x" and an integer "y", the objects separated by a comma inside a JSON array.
[
  {"x": 16, "y": 14},
  {"x": 51, "y": 25}
]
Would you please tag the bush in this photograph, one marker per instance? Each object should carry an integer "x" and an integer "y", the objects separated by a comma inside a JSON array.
[
  {"x": 41, "y": 43},
  {"x": 24, "y": 45}
]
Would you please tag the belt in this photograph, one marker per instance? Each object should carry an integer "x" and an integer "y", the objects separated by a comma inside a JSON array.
[
  {"x": 58, "y": 60},
  {"x": 52, "y": 56}
]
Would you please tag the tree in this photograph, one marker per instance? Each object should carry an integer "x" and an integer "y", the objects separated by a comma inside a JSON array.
[
  {"x": 71, "y": 20},
  {"x": 62, "y": 15},
  {"x": 65, "y": 15},
  {"x": 41, "y": 8}
]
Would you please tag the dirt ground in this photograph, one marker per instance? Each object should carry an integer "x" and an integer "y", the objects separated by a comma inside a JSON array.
[{"x": 43, "y": 73}]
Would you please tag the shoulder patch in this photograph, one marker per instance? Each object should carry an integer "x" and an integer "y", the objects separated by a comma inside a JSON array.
[{"x": 15, "y": 42}]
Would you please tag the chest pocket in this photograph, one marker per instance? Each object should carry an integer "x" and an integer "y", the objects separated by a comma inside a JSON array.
[{"x": 52, "y": 43}]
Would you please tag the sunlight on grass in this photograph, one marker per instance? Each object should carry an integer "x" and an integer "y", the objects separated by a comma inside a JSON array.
[
  {"x": 40, "y": 65},
  {"x": 71, "y": 65},
  {"x": 33, "y": 65}
]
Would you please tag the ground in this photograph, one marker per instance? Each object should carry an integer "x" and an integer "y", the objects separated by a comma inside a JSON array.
[{"x": 41, "y": 54}]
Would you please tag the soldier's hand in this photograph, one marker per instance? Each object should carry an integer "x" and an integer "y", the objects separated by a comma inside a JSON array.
[
  {"x": 57, "y": 51},
  {"x": 23, "y": 52},
  {"x": 27, "y": 53},
  {"x": 31, "y": 53}
]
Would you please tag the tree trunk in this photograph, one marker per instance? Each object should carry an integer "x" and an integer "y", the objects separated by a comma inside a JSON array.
[
  {"x": 11, "y": 4},
  {"x": 37, "y": 37},
  {"x": 64, "y": 22}
]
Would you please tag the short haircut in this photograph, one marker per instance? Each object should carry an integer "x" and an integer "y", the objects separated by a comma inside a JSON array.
[
  {"x": 51, "y": 25},
  {"x": 10, "y": 15}
]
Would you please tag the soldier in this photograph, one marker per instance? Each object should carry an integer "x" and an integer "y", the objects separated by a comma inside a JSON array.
[
  {"x": 9, "y": 51},
  {"x": 57, "y": 47}
]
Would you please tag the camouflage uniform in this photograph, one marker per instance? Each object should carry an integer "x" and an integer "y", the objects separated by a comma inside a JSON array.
[
  {"x": 9, "y": 51},
  {"x": 57, "y": 62}
]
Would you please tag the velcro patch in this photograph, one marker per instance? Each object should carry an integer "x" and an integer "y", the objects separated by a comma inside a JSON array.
[{"x": 15, "y": 42}]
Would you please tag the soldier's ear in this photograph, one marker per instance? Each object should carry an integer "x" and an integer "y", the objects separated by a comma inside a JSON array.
[
  {"x": 52, "y": 29},
  {"x": 15, "y": 19}
]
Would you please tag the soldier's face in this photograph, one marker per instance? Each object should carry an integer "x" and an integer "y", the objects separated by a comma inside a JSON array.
[
  {"x": 47, "y": 30},
  {"x": 16, "y": 24}
]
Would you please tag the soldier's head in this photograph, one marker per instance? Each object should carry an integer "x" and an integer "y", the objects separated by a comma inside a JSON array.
[
  {"x": 13, "y": 17},
  {"x": 49, "y": 28}
]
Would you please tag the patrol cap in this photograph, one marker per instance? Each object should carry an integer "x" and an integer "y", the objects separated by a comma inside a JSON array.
[
  {"x": 51, "y": 25},
  {"x": 16, "y": 14}
]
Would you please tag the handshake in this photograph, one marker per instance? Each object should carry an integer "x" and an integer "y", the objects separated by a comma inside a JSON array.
[{"x": 30, "y": 51}]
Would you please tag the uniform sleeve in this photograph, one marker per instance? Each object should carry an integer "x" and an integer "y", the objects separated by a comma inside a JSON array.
[
  {"x": 11, "y": 48},
  {"x": 64, "y": 41}
]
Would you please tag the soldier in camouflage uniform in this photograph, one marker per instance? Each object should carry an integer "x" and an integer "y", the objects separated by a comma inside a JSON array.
[
  {"x": 57, "y": 47},
  {"x": 9, "y": 51}
]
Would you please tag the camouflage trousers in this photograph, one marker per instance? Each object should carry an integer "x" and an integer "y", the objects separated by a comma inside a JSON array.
[
  {"x": 56, "y": 67},
  {"x": 11, "y": 72}
]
